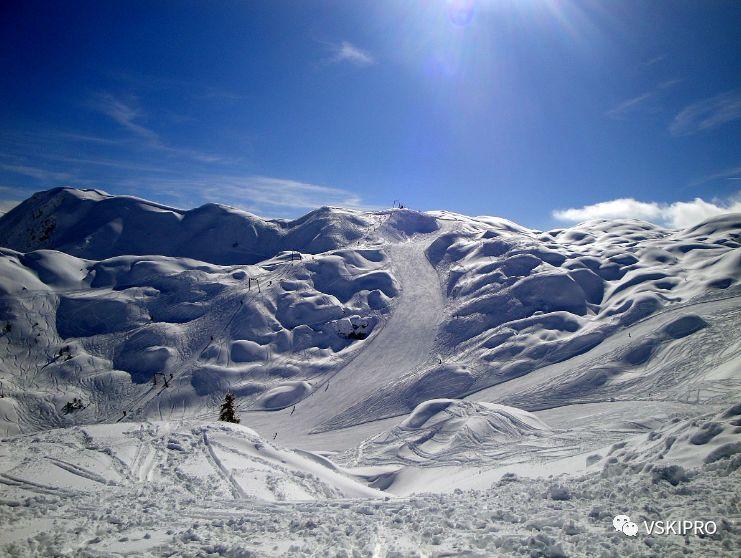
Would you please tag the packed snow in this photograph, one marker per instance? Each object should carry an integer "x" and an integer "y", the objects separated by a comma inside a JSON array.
[{"x": 409, "y": 383}]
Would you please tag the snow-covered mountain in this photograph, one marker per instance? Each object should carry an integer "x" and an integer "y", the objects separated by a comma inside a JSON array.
[
  {"x": 390, "y": 353},
  {"x": 94, "y": 225}
]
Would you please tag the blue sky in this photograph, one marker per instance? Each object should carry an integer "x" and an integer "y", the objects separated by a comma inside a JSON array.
[{"x": 541, "y": 111}]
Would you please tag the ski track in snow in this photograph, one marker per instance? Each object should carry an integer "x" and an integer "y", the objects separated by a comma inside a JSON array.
[{"x": 237, "y": 490}]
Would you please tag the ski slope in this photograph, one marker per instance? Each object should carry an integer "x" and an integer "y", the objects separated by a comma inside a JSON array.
[
  {"x": 411, "y": 383},
  {"x": 386, "y": 356}
]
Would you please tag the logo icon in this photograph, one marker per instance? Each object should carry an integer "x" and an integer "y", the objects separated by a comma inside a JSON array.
[{"x": 624, "y": 524}]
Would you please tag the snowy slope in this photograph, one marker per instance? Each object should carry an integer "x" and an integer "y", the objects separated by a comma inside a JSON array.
[
  {"x": 420, "y": 306},
  {"x": 391, "y": 353},
  {"x": 160, "y": 489},
  {"x": 106, "y": 330},
  {"x": 214, "y": 461},
  {"x": 520, "y": 301}
]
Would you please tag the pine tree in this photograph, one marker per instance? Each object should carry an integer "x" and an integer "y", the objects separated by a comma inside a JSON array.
[{"x": 228, "y": 413}]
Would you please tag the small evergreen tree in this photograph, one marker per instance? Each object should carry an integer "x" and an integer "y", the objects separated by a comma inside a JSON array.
[{"x": 228, "y": 413}]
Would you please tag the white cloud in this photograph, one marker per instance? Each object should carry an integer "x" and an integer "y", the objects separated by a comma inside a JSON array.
[
  {"x": 85, "y": 138},
  {"x": 677, "y": 215},
  {"x": 641, "y": 101},
  {"x": 265, "y": 191},
  {"x": 654, "y": 60},
  {"x": 629, "y": 105},
  {"x": 39, "y": 173},
  {"x": 124, "y": 114},
  {"x": 732, "y": 173},
  {"x": 131, "y": 117},
  {"x": 706, "y": 114},
  {"x": 686, "y": 214},
  {"x": 347, "y": 52}
]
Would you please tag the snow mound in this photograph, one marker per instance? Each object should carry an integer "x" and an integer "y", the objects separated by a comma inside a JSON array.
[
  {"x": 284, "y": 395},
  {"x": 445, "y": 431},
  {"x": 409, "y": 222},
  {"x": 504, "y": 421}
]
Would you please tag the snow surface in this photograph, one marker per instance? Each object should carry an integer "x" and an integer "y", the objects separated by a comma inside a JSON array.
[{"x": 409, "y": 383}]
